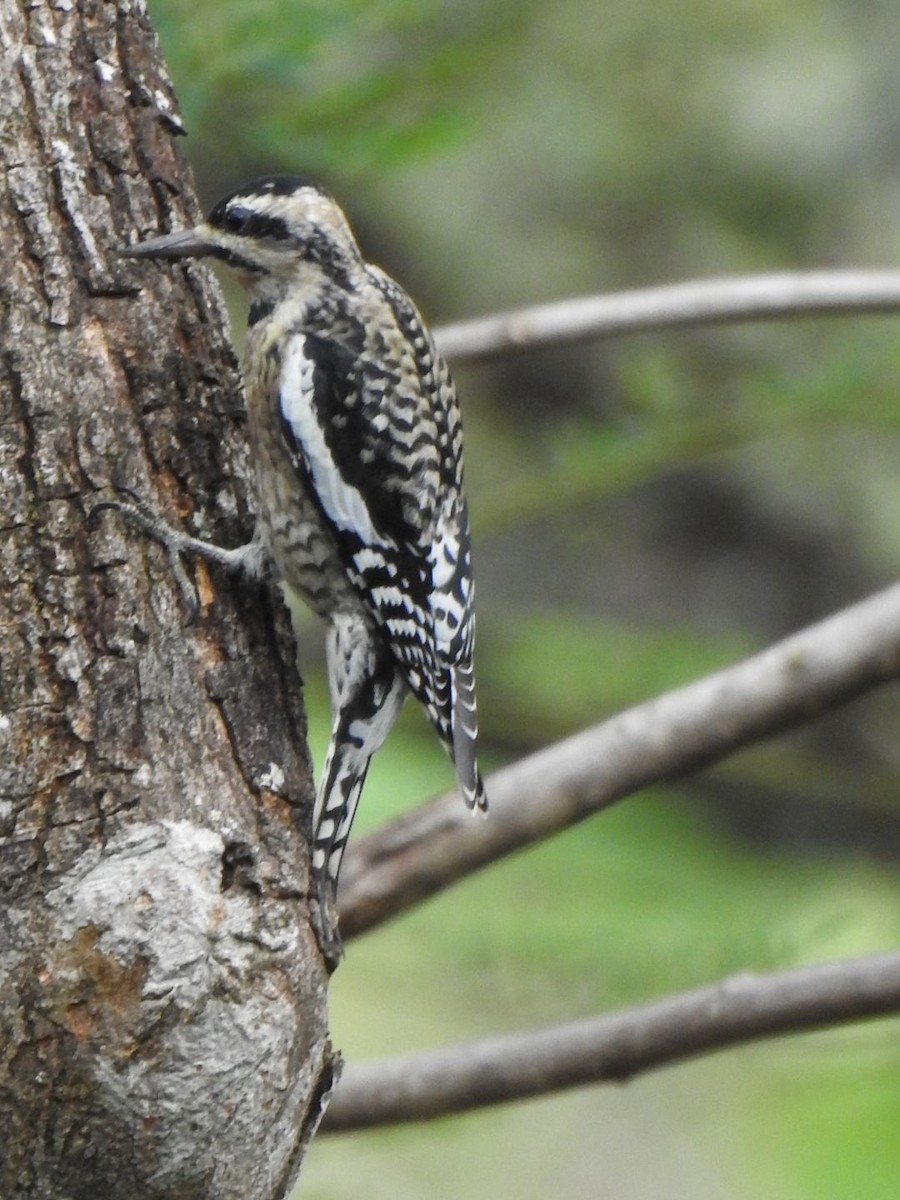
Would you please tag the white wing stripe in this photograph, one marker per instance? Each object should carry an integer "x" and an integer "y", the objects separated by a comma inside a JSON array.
[{"x": 342, "y": 502}]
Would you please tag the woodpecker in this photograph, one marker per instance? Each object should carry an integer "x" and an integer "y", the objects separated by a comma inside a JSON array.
[{"x": 356, "y": 438}]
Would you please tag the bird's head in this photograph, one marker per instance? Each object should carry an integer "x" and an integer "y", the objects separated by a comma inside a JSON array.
[{"x": 277, "y": 232}]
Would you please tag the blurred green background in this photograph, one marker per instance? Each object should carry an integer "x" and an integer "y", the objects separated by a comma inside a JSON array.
[{"x": 644, "y": 510}]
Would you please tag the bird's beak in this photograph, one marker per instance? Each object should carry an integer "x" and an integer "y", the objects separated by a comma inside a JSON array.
[{"x": 187, "y": 243}]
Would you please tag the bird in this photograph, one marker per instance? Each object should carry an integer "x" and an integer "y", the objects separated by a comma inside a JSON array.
[{"x": 355, "y": 435}]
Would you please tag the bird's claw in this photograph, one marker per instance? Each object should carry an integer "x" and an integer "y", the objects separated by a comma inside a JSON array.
[
  {"x": 324, "y": 921},
  {"x": 173, "y": 541}
]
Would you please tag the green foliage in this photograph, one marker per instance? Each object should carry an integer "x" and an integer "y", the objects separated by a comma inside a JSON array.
[
  {"x": 628, "y": 907},
  {"x": 328, "y": 86},
  {"x": 622, "y": 910},
  {"x": 499, "y": 154},
  {"x": 845, "y": 384},
  {"x": 554, "y": 672}
]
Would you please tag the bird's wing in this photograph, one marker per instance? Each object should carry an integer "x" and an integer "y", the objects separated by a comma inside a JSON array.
[
  {"x": 376, "y": 439},
  {"x": 372, "y": 468}
]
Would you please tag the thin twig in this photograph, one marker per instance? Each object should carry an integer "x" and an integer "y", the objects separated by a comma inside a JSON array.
[
  {"x": 807, "y": 674},
  {"x": 697, "y": 302},
  {"x": 614, "y": 1047}
]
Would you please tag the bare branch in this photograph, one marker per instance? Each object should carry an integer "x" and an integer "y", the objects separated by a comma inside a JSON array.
[
  {"x": 805, "y": 675},
  {"x": 697, "y": 302},
  {"x": 614, "y": 1047}
]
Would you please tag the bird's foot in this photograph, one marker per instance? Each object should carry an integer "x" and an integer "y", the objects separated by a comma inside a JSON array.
[{"x": 176, "y": 544}]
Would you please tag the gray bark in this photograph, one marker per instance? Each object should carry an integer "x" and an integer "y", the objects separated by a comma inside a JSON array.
[
  {"x": 671, "y": 306},
  {"x": 162, "y": 1000}
]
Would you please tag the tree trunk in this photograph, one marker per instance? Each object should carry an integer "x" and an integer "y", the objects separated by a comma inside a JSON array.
[{"x": 162, "y": 999}]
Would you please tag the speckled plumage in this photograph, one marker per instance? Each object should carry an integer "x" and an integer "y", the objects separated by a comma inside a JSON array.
[{"x": 357, "y": 441}]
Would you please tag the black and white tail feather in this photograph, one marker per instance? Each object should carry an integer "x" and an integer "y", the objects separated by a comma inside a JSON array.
[{"x": 357, "y": 439}]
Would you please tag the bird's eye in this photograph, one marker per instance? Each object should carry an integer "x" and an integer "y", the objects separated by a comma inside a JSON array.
[{"x": 237, "y": 218}]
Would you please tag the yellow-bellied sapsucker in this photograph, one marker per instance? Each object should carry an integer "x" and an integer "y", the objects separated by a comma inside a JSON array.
[{"x": 356, "y": 436}]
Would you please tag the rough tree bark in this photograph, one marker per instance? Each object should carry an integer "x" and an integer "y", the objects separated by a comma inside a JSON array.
[{"x": 162, "y": 1001}]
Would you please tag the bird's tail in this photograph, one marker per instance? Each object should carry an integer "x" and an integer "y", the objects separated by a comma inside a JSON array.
[
  {"x": 359, "y": 728},
  {"x": 465, "y": 735},
  {"x": 336, "y": 802}
]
